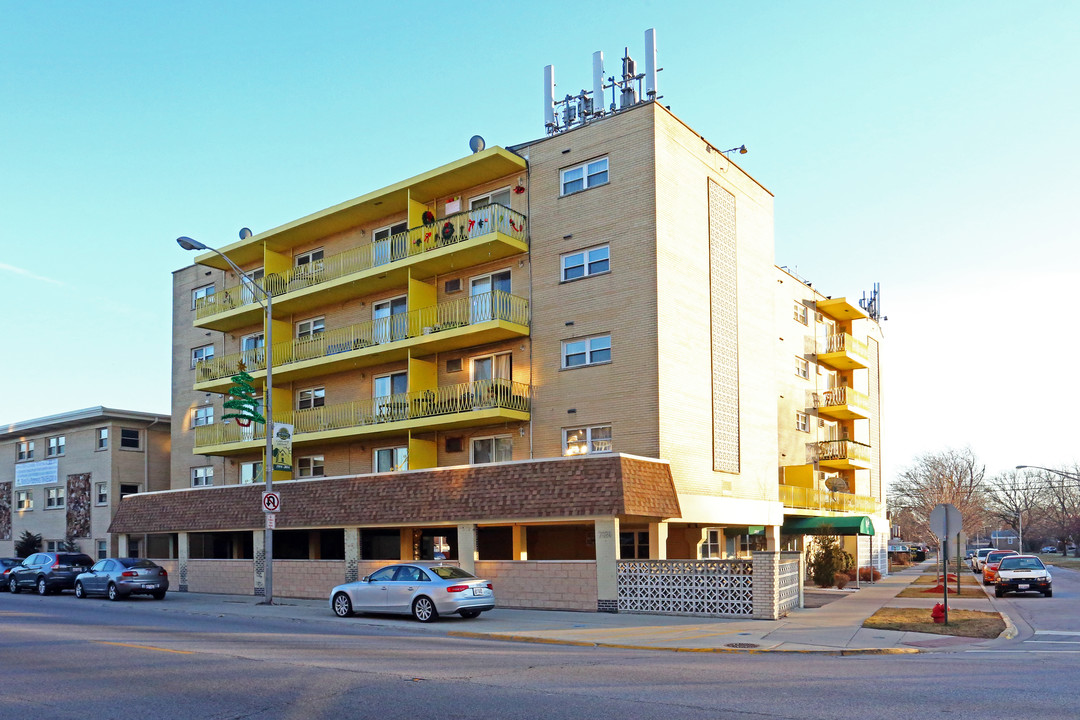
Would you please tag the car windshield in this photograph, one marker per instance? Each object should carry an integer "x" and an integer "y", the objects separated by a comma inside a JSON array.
[
  {"x": 1021, "y": 563},
  {"x": 996, "y": 557},
  {"x": 449, "y": 572}
]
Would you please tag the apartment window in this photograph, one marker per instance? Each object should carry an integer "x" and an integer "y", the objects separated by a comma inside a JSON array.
[
  {"x": 593, "y": 261},
  {"x": 54, "y": 446},
  {"x": 802, "y": 367},
  {"x": 387, "y": 245},
  {"x": 634, "y": 545},
  {"x": 587, "y": 440},
  {"x": 24, "y": 500},
  {"x": 713, "y": 545},
  {"x": 500, "y": 197},
  {"x": 101, "y": 493},
  {"x": 252, "y": 342},
  {"x": 493, "y": 367},
  {"x": 54, "y": 497},
  {"x": 54, "y": 546},
  {"x": 310, "y": 328},
  {"x": 391, "y": 459},
  {"x": 499, "y": 448},
  {"x": 802, "y": 422},
  {"x": 129, "y": 439},
  {"x": 800, "y": 313},
  {"x": 251, "y": 473},
  {"x": 126, "y": 489},
  {"x": 311, "y": 260},
  {"x": 311, "y": 398},
  {"x": 26, "y": 450},
  {"x": 102, "y": 549},
  {"x": 199, "y": 293},
  {"x": 311, "y": 466},
  {"x": 587, "y": 351},
  {"x": 202, "y": 476},
  {"x": 202, "y": 416},
  {"x": 202, "y": 354},
  {"x": 584, "y": 176},
  {"x": 103, "y": 438}
]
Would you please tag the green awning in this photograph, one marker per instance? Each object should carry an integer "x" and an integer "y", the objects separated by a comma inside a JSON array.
[{"x": 857, "y": 525}]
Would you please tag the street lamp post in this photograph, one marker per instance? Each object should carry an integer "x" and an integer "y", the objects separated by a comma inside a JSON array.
[{"x": 268, "y": 402}]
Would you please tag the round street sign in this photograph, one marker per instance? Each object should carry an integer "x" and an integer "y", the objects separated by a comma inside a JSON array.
[
  {"x": 271, "y": 502},
  {"x": 945, "y": 520}
]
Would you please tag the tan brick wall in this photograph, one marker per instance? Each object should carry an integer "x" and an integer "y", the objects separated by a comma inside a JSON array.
[
  {"x": 228, "y": 577},
  {"x": 542, "y": 585},
  {"x": 307, "y": 578}
]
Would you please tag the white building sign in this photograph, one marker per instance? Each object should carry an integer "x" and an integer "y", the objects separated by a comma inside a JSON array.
[{"x": 42, "y": 472}]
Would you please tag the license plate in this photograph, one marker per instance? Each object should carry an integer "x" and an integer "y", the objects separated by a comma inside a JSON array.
[
  {"x": 478, "y": 591},
  {"x": 1023, "y": 587},
  {"x": 150, "y": 586}
]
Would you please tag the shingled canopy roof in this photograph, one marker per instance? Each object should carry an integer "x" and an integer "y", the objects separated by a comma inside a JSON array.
[{"x": 555, "y": 489}]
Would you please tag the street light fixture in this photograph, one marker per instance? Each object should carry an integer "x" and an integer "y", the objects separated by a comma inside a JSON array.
[{"x": 268, "y": 403}]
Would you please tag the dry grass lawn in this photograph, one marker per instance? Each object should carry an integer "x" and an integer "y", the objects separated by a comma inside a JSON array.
[
  {"x": 932, "y": 579},
  {"x": 967, "y": 590},
  {"x": 964, "y": 623}
]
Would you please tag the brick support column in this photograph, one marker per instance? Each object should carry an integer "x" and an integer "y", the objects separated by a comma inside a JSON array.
[
  {"x": 521, "y": 550},
  {"x": 122, "y": 545},
  {"x": 467, "y": 554},
  {"x": 352, "y": 554},
  {"x": 766, "y": 585},
  {"x": 658, "y": 534},
  {"x": 183, "y": 552},
  {"x": 258, "y": 538},
  {"x": 606, "y": 532}
]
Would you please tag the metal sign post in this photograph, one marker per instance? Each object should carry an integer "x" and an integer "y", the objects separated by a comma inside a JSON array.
[{"x": 943, "y": 517}]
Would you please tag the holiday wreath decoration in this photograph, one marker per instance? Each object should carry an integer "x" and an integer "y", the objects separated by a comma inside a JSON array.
[
  {"x": 448, "y": 231},
  {"x": 428, "y": 217}
]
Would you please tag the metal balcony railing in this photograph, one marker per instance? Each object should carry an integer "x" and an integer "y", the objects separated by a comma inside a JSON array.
[
  {"x": 843, "y": 450},
  {"x": 838, "y": 396},
  {"x": 846, "y": 344},
  {"x": 811, "y": 499}
]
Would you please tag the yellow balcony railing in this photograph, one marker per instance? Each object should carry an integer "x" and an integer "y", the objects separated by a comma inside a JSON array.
[
  {"x": 843, "y": 454},
  {"x": 442, "y": 403},
  {"x": 444, "y": 232},
  {"x": 843, "y": 351},
  {"x": 811, "y": 499},
  {"x": 842, "y": 402},
  {"x": 462, "y": 312}
]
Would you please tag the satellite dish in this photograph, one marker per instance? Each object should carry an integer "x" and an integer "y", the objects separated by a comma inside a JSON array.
[
  {"x": 476, "y": 143},
  {"x": 836, "y": 484},
  {"x": 245, "y": 233}
]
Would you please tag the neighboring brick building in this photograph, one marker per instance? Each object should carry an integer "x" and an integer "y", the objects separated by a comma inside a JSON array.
[{"x": 64, "y": 476}]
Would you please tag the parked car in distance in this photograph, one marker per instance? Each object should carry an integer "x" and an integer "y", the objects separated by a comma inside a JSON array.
[
  {"x": 978, "y": 558},
  {"x": 5, "y": 565},
  {"x": 424, "y": 591},
  {"x": 48, "y": 572},
  {"x": 1023, "y": 573},
  {"x": 990, "y": 566},
  {"x": 117, "y": 578},
  {"x": 1049, "y": 549}
]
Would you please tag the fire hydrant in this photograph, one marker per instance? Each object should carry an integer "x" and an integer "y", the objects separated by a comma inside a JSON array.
[{"x": 938, "y": 613}]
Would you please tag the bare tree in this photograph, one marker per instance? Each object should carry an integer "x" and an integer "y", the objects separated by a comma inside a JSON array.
[
  {"x": 1061, "y": 498},
  {"x": 948, "y": 476},
  {"x": 1013, "y": 497}
]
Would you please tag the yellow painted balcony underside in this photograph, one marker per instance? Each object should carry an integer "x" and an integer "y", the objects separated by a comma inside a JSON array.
[
  {"x": 464, "y": 322},
  {"x": 451, "y": 243},
  {"x": 843, "y": 352},
  {"x": 471, "y": 404},
  {"x": 840, "y": 309},
  {"x": 842, "y": 403},
  {"x": 843, "y": 455},
  {"x": 823, "y": 500}
]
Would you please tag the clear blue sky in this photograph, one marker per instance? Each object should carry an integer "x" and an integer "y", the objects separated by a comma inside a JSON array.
[{"x": 927, "y": 146}]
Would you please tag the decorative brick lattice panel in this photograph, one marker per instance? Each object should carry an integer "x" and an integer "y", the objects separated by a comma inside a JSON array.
[
  {"x": 718, "y": 588},
  {"x": 724, "y": 317},
  {"x": 5, "y": 511},
  {"x": 78, "y": 505},
  {"x": 789, "y": 586}
]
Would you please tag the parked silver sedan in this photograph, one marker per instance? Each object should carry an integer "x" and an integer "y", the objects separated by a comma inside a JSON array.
[
  {"x": 116, "y": 578},
  {"x": 424, "y": 591}
]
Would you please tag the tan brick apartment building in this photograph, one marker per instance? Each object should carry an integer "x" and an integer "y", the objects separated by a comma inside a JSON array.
[
  {"x": 565, "y": 352},
  {"x": 63, "y": 476}
]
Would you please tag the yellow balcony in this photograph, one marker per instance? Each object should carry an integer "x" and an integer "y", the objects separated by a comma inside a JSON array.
[
  {"x": 823, "y": 500},
  {"x": 843, "y": 455},
  {"x": 450, "y": 243},
  {"x": 842, "y": 403},
  {"x": 843, "y": 352},
  {"x": 471, "y": 404},
  {"x": 840, "y": 309},
  {"x": 461, "y": 323}
]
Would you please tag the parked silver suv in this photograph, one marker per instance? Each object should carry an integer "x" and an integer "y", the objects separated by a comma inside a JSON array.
[{"x": 48, "y": 572}]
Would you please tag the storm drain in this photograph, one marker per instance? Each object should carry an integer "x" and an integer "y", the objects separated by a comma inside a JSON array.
[{"x": 742, "y": 646}]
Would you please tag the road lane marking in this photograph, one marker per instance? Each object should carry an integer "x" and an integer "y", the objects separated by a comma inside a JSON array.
[
  {"x": 1055, "y": 642},
  {"x": 1055, "y": 632},
  {"x": 145, "y": 647}
]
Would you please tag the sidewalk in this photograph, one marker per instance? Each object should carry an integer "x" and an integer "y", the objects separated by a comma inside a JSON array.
[{"x": 835, "y": 628}]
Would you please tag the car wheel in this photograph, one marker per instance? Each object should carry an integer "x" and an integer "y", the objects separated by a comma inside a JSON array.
[
  {"x": 42, "y": 588},
  {"x": 159, "y": 595},
  {"x": 999, "y": 592},
  {"x": 79, "y": 592},
  {"x": 470, "y": 614},
  {"x": 13, "y": 585},
  {"x": 424, "y": 610},
  {"x": 113, "y": 593},
  {"x": 1048, "y": 593},
  {"x": 342, "y": 605}
]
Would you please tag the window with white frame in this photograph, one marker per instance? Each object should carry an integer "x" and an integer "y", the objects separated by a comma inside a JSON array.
[
  {"x": 24, "y": 500},
  {"x": 310, "y": 328},
  {"x": 500, "y": 197},
  {"x": 202, "y": 476},
  {"x": 202, "y": 416},
  {"x": 54, "y": 546},
  {"x": 802, "y": 422},
  {"x": 310, "y": 466},
  {"x": 310, "y": 260},
  {"x": 252, "y": 342},
  {"x": 499, "y": 448},
  {"x": 129, "y": 439},
  {"x": 713, "y": 544},
  {"x": 102, "y": 549},
  {"x": 199, "y": 293},
  {"x": 800, "y": 312},
  {"x": 587, "y": 440},
  {"x": 103, "y": 438},
  {"x": 248, "y": 290},
  {"x": 310, "y": 398},
  {"x": 584, "y": 176},
  {"x": 586, "y": 351},
  {"x": 25, "y": 450},
  {"x": 201, "y": 354},
  {"x": 802, "y": 367},
  {"x": 101, "y": 493},
  {"x": 584, "y": 263},
  {"x": 391, "y": 459},
  {"x": 54, "y": 446},
  {"x": 54, "y": 497},
  {"x": 251, "y": 472},
  {"x": 386, "y": 243}
]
